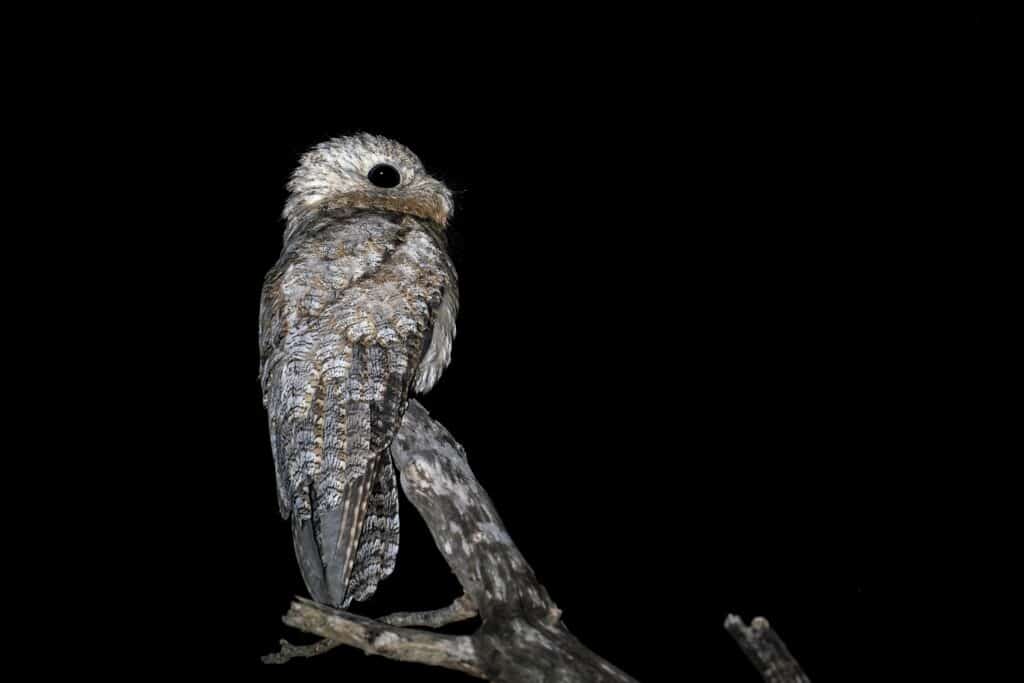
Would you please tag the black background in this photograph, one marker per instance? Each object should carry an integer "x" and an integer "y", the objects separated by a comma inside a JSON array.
[
  {"x": 696, "y": 350},
  {"x": 666, "y": 371}
]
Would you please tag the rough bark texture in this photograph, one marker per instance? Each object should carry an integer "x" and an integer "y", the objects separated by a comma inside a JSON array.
[
  {"x": 377, "y": 638},
  {"x": 460, "y": 610},
  {"x": 521, "y": 637},
  {"x": 437, "y": 480},
  {"x": 765, "y": 650}
]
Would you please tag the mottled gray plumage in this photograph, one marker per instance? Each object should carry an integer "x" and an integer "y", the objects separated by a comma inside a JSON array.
[{"x": 359, "y": 310}]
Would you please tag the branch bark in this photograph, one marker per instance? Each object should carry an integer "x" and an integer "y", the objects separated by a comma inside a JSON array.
[
  {"x": 765, "y": 650},
  {"x": 377, "y": 638},
  {"x": 460, "y": 610},
  {"x": 521, "y": 637},
  {"x": 289, "y": 651}
]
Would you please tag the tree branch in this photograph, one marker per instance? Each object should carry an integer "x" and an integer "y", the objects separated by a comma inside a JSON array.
[
  {"x": 462, "y": 519},
  {"x": 376, "y": 638},
  {"x": 289, "y": 651},
  {"x": 521, "y": 637},
  {"x": 460, "y": 610},
  {"x": 765, "y": 650}
]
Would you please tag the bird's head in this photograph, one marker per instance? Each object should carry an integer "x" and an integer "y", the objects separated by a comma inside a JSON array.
[{"x": 366, "y": 172}]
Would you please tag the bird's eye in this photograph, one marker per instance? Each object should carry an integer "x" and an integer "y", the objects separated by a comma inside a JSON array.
[{"x": 383, "y": 175}]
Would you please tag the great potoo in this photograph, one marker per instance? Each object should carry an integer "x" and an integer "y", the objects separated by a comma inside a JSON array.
[{"x": 358, "y": 311}]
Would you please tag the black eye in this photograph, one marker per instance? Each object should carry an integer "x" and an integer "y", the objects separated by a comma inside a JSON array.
[{"x": 383, "y": 175}]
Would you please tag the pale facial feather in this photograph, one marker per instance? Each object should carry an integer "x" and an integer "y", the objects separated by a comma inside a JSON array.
[{"x": 334, "y": 174}]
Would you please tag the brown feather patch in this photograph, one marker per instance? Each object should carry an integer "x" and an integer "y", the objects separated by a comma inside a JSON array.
[{"x": 431, "y": 207}]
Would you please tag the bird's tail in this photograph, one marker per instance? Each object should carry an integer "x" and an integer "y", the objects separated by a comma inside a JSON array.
[
  {"x": 378, "y": 544},
  {"x": 365, "y": 522}
]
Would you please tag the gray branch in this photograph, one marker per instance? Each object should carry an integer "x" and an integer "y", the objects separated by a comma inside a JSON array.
[
  {"x": 460, "y": 610},
  {"x": 289, "y": 651},
  {"x": 373, "y": 637},
  {"x": 521, "y": 637},
  {"x": 765, "y": 650}
]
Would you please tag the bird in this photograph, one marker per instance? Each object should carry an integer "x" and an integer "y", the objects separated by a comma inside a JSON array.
[{"x": 357, "y": 313}]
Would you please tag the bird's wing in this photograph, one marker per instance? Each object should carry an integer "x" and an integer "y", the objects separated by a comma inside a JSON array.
[
  {"x": 335, "y": 400},
  {"x": 332, "y": 420},
  {"x": 378, "y": 542},
  {"x": 273, "y": 330},
  {"x": 438, "y": 351}
]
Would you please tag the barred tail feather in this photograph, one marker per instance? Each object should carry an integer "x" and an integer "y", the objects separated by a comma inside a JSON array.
[
  {"x": 347, "y": 538},
  {"x": 340, "y": 530},
  {"x": 307, "y": 551},
  {"x": 378, "y": 544}
]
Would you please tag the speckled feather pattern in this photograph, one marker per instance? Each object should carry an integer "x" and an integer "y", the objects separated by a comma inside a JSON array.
[{"x": 359, "y": 310}]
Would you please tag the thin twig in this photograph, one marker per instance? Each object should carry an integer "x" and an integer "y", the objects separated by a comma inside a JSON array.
[
  {"x": 460, "y": 610},
  {"x": 289, "y": 651}
]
